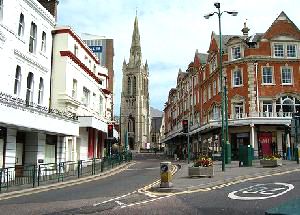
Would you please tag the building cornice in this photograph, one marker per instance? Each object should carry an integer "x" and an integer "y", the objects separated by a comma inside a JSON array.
[
  {"x": 30, "y": 60},
  {"x": 79, "y": 41},
  {"x": 76, "y": 60},
  {"x": 39, "y": 9}
]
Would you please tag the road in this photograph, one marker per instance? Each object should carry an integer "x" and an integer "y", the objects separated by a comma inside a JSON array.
[
  {"x": 120, "y": 194},
  {"x": 57, "y": 201}
]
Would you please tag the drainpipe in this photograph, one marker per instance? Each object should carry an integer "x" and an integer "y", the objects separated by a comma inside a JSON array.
[{"x": 257, "y": 95}]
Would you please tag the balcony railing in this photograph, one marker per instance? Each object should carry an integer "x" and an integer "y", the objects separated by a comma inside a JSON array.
[{"x": 30, "y": 106}]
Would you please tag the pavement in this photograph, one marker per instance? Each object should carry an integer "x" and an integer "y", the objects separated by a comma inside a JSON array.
[{"x": 233, "y": 174}]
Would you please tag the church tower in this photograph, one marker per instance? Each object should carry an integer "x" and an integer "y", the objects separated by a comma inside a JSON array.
[{"x": 135, "y": 118}]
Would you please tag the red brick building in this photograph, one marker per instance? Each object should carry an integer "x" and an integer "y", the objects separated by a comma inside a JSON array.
[{"x": 261, "y": 75}]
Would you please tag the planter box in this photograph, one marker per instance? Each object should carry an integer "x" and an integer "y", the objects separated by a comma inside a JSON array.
[
  {"x": 201, "y": 171},
  {"x": 271, "y": 163}
]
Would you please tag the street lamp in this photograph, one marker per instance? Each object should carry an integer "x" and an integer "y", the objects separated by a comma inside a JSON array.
[{"x": 224, "y": 134}]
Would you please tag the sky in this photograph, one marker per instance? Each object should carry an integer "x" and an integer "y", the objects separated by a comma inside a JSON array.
[{"x": 170, "y": 31}]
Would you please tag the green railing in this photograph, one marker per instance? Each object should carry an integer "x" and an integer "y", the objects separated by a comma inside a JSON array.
[{"x": 41, "y": 174}]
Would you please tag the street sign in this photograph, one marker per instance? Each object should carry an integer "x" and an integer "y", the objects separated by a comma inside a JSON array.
[
  {"x": 96, "y": 49},
  {"x": 261, "y": 191}
]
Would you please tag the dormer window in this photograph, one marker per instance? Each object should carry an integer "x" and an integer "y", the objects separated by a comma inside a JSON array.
[
  {"x": 236, "y": 52},
  {"x": 282, "y": 50}
]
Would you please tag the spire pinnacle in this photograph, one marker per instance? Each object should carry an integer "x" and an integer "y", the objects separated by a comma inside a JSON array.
[{"x": 135, "y": 50}]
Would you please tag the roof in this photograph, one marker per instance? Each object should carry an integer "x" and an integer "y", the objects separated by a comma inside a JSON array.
[
  {"x": 202, "y": 57},
  {"x": 155, "y": 124}
]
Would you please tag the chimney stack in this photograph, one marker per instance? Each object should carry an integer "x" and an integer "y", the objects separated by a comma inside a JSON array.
[{"x": 51, "y": 6}]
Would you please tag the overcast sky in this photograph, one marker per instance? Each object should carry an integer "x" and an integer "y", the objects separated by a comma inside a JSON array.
[{"x": 171, "y": 31}]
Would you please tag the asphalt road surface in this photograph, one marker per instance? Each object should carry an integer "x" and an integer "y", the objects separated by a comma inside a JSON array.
[{"x": 120, "y": 194}]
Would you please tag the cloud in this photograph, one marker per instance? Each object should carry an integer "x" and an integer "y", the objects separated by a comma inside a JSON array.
[{"x": 171, "y": 31}]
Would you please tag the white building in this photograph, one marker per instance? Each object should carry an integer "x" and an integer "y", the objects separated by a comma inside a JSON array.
[
  {"x": 79, "y": 86},
  {"x": 30, "y": 132}
]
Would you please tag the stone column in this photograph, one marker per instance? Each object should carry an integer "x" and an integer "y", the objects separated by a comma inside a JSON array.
[
  {"x": 10, "y": 151},
  {"x": 251, "y": 90}
]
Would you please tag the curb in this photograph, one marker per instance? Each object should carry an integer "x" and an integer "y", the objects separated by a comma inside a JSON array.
[
  {"x": 68, "y": 183},
  {"x": 218, "y": 184}
]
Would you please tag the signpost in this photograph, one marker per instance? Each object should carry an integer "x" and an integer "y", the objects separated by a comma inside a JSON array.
[{"x": 295, "y": 133}]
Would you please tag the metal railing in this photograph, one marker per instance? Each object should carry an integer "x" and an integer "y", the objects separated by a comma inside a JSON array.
[{"x": 36, "y": 175}]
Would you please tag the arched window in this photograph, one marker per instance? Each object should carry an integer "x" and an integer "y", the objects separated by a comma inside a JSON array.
[
  {"x": 130, "y": 125},
  {"x": 41, "y": 91},
  {"x": 32, "y": 38},
  {"x": 129, "y": 86},
  {"x": 287, "y": 104},
  {"x": 134, "y": 85},
  {"x": 21, "y": 25},
  {"x": 17, "y": 86},
  {"x": 30, "y": 85}
]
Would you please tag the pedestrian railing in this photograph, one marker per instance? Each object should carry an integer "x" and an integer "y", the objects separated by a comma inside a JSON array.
[{"x": 41, "y": 174}]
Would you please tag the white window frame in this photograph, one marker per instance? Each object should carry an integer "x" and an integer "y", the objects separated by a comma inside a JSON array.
[
  {"x": 44, "y": 40},
  {"x": 41, "y": 91},
  {"x": 209, "y": 91},
  {"x": 291, "y": 75},
  {"x": 101, "y": 105},
  {"x": 18, "y": 79},
  {"x": 263, "y": 70},
  {"x": 75, "y": 50},
  {"x": 236, "y": 52},
  {"x": 30, "y": 88},
  {"x": 32, "y": 38},
  {"x": 214, "y": 89},
  {"x": 235, "y": 77},
  {"x": 267, "y": 107},
  {"x": 240, "y": 107},
  {"x": 74, "y": 89},
  {"x": 21, "y": 25},
  {"x": 285, "y": 51},
  {"x": 86, "y": 96}
]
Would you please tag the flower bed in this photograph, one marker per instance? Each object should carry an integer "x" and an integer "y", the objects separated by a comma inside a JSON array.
[
  {"x": 271, "y": 161},
  {"x": 202, "y": 167}
]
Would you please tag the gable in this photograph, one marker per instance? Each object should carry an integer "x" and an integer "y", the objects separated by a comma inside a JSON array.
[{"x": 282, "y": 24}]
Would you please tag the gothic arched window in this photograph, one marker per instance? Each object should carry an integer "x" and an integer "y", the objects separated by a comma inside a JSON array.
[
  {"x": 134, "y": 85},
  {"x": 129, "y": 85},
  {"x": 29, "y": 92}
]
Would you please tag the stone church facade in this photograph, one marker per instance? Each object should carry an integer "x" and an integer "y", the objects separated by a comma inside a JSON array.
[{"x": 135, "y": 113}]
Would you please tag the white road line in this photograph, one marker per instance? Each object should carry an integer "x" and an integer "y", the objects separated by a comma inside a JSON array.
[
  {"x": 120, "y": 203},
  {"x": 114, "y": 199}
]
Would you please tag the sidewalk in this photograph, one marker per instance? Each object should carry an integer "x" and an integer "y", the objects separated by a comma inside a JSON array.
[{"x": 181, "y": 181}]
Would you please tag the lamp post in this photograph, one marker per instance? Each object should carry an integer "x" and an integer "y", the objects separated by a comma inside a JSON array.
[{"x": 224, "y": 114}]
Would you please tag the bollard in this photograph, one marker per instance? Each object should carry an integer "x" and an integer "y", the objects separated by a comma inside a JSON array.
[{"x": 165, "y": 174}]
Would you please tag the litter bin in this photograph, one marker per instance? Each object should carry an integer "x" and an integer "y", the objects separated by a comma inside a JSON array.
[
  {"x": 245, "y": 155},
  {"x": 165, "y": 174}
]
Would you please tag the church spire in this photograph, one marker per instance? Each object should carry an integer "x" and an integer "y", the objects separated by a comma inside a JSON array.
[{"x": 135, "y": 50}]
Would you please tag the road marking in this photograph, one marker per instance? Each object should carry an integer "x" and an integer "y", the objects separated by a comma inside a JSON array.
[
  {"x": 261, "y": 191},
  {"x": 114, "y": 199},
  {"x": 120, "y": 203}
]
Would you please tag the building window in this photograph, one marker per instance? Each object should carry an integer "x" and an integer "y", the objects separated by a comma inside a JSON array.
[
  {"x": 213, "y": 64},
  {"x": 74, "y": 89},
  {"x": 214, "y": 90},
  {"x": 94, "y": 101},
  {"x": 30, "y": 85},
  {"x": 204, "y": 75},
  {"x": 94, "y": 70},
  {"x": 267, "y": 107},
  {"x": 291, "y": 50},
  {"x": 100, "y": 105},
  {"x": 216, "y": 113},
  {"x": 238, "y": 109},
  {"x": 204, "y": 96},
  {"x": 267, "y": 75},
  {"x": 278, "y": 50},
  {"x": 32, "y": 39},
  {"x": 134, "y": 85},
  {"x": 41, "y": 91},
  {"x": 21, "y": 25},
  {"x": 75, "y": 50},
  {"x": 1, "y": 10},
  {"x": 237, "y": 78},
  {"x": 209, "y": 91},
  {"x": 236, "y": 52},
  {"x": 86, "y": 97},
  {"x": 129, "y": 92},
  {"x": 286, "y": 76},
  {"x": 43, "y": 47},
  {"x": 17, "y": 86}
]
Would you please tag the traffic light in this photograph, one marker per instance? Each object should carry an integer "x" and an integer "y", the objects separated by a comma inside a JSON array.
[
  {"x": 185, "y": 126},
  {"x": 110, "y": 130}
]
